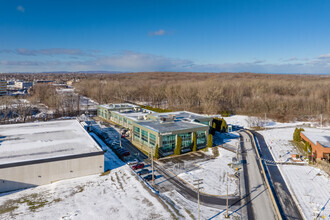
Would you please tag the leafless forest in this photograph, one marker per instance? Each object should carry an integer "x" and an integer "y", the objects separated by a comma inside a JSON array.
[{"x": 281, "y": 97}]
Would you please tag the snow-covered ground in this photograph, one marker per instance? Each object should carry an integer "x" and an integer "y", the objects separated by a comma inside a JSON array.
[
  {"x": 214, "y": 173},
  {"x": 279, "y": 142},
  {"x": 118, "y": 195},
  {"x": 311, "y": 186},
  {"x": 188, "y": 209},
  {"x": 250, "y": 121}
]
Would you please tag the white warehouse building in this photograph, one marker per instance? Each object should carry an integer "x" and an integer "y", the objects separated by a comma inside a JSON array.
[{"x": 33, "y": 154}]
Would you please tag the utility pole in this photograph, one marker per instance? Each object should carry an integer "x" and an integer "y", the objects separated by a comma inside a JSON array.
[
  {"x": 120, "y": 140},
  {"x": 227, "y": 216},
  {"x": 152, "y": 166},
  {"x": 198, "y": 183}
]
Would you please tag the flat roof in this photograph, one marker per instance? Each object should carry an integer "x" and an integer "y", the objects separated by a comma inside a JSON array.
[
  {"x": 118, "y": 106},
  {"x": 44, "y": 140},
  {"x": 182, "y": 115},
  {"x": 167, "y": 127},
  {"x": 321, "y": 136},
  {"x": 133, "y": 115}
]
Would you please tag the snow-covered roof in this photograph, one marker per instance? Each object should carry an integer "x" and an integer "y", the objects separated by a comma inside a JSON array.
[
  {"x": 182, "y": 114},
  {"x": 133, "y": 115},
  {"x": 170, "y": 126},
  {"x": 44, "y": 140},
  {"x": 115, "y": 106},
  {"x": 318, "y": 135}
]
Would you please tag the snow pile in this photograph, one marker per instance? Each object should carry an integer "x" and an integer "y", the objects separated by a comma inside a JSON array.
[
  {"x": 240, "y": 120},
  {"x": 118, "y": 195},
  {"x": 214, "y": 173}
]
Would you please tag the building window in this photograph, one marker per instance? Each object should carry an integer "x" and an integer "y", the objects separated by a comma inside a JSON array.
[
  {"x": 144, "y": 135},
  {"x": 136, "y": 133},
  {"x": 201, "y": 139},
  {"x": 186, "y": 140},
  {"x": 152, "y": 140},
  {"x": 205, "y": 123},
  {"x": 168, "y": 143}
]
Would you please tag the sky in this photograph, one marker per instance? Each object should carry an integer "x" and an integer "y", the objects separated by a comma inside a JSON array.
[{"x": 262, "y": 36}]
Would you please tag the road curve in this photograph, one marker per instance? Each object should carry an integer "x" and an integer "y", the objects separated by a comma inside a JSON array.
[{"x": 190, "y": 194}]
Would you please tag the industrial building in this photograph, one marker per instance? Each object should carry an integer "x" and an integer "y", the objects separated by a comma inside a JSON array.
[
  {"x": 23, "y": 85},
  {"x": 319, "y": 141},
  {"x": 149, "y": 129},
  {"x": 3, "y": 87},
  {"x": 33, "y": 154}
]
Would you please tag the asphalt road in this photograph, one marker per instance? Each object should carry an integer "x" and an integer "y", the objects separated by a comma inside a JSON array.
[
  {"x": 288, "y": 207},
  {"x": 257, "y": 200}
]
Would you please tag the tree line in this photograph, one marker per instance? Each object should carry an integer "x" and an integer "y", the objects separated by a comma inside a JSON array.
[{"x": 280, "y": 97}]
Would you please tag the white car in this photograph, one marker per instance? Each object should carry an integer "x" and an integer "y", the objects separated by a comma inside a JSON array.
[{"x": 133, "y": 162}]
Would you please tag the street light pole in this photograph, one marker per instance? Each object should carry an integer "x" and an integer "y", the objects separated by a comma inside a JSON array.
[
  {"x": 227, "y": 216},
  {"x": 152, "y": 166},
  {"x": 198, "y": 182}
]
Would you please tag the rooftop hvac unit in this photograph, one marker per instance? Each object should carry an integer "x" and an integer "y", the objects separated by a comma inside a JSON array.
[{"x": 162, "y": 119}]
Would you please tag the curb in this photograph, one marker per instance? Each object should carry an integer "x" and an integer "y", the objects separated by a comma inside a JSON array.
[
  {"x": 289, "y": 187},
  {"x": 278, "y": 213},
  {"x": 192, "y": 187}
]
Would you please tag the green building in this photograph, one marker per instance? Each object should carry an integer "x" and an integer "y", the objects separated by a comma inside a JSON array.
[{"x": 149, "y": 129}]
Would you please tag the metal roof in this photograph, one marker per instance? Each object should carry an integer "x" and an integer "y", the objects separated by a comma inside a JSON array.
[{"x": 44, "y": 140}]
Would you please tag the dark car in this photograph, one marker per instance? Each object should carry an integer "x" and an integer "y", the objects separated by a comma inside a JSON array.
[
  {"x": 142, "y": 172},
  {"x": 149, "y": 177},
  {"x": 123, "y": 152},
  {"x": 138, "y": 166}
]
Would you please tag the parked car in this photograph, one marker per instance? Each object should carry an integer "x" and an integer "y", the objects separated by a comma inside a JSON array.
[
  {"x": 133, "y": 162},
  {"x": 124, "y": 153},
  {"x": 149, "y": 177},
  {"x": 142, "y": 172},
  {"x": 138, "y": 166}
]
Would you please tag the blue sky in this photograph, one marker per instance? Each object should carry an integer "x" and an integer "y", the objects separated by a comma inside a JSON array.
[{"x": 272, "y": 36}]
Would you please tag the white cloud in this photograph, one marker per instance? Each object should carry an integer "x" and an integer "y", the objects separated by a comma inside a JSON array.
[
  {"x": 137, "y": 62},
  {"x": 324, "y": 56},
  {"x": 20, "y": 8},
  {"x": 157, "y": 33},
  {"x": 49, "y": 52}
]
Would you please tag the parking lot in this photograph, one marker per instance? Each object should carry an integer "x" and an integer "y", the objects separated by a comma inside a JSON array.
[{"x": 111, "y": 136}]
